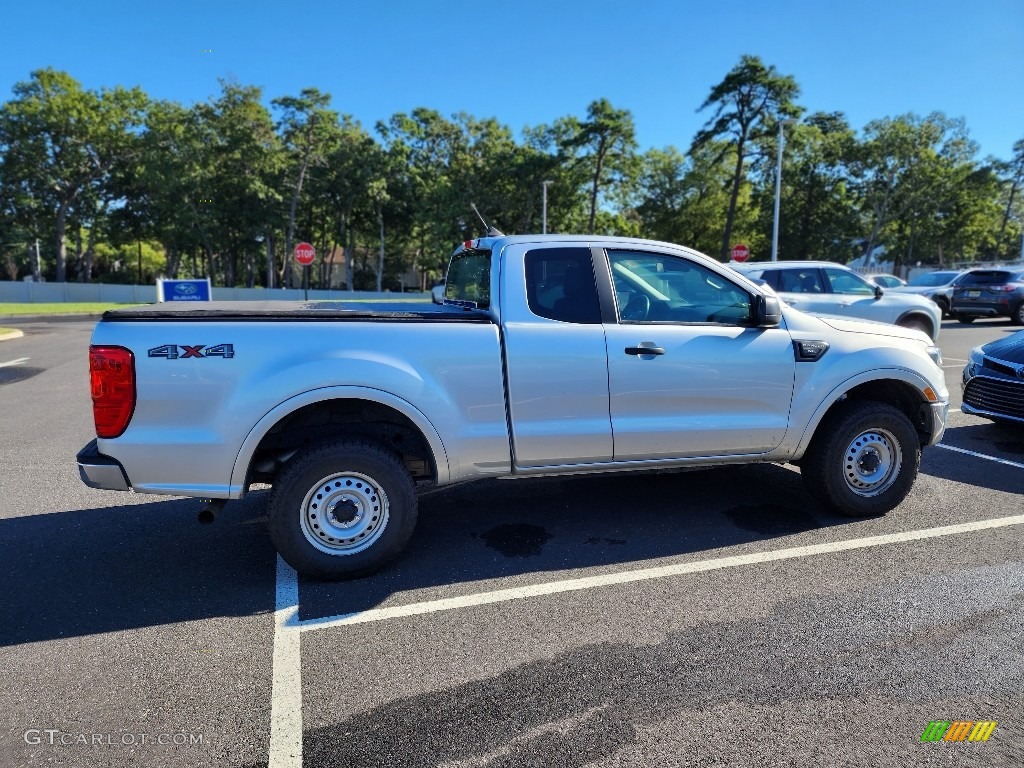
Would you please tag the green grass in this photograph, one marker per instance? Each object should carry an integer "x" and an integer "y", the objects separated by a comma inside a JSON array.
[
  {"x": 6, "y": 330},
  {"x": 59, "y": 308}
]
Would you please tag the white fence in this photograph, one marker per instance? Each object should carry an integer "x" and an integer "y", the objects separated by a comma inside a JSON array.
[{"x": 36, "y": 293}]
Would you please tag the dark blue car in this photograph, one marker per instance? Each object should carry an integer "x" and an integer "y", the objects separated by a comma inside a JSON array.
[
  {"x": 994, "y": 380},
  {"x": 989, "y": 293}
]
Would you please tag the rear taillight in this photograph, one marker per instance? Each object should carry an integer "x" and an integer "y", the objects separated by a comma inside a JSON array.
[{"x": 112, "y": 379}]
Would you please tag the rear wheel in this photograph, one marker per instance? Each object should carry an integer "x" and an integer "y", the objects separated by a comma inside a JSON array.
[
  {"x": 1017, "y": 318},
  {"x": 342, "y": 509},
  {"x": 965, "y": 318},
  {"x": 863, "y": 459},
  {"x": 943, "y": 307}
]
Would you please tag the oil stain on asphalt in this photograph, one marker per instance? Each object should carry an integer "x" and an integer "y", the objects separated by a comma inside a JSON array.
[{"x": 516, "y": 539}]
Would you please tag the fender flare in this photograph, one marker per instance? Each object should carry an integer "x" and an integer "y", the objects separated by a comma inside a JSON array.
[
  {"x": 904, "y": 375},
  {"x": 344, "y": 392}
]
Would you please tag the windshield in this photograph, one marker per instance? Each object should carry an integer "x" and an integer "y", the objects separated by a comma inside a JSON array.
[{"x": 933, "y": 279}]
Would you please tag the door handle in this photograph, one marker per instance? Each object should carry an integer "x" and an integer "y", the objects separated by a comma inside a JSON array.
[{"x": 645, "y": 348}]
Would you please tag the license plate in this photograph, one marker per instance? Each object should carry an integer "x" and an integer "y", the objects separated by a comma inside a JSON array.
[{"x": 973, "y": 294}]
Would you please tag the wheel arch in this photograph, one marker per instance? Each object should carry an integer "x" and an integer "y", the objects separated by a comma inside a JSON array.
[
  {"x": 917, "y": 314},
  {"x": 902, "y": 389},
  {"x": 327, "y": 412}
]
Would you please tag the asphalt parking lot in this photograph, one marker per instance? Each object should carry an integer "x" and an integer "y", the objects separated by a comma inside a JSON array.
[{"x": 705, "y": 618}]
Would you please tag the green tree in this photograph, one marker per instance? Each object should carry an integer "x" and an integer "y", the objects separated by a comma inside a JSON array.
[
  {"x": 308, "y": 132},
  {"x": 818, "y": 215},
  {"x": 917, "y": 186},
  {"x": 1013, "y": 178},
  {"x": 748, "y": 102},
  {"x": 60, "y": 142},
  {"x": 605, "y": 145},
  {"x": 244, "y": 176}
]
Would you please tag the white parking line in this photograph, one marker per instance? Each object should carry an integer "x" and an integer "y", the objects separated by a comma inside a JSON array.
[
  {"x": 19, "y": 361},
  {"x": 647, "y": 574},
  {"x": 981, "y": 456},
  {"x": 286, "y": 690}
]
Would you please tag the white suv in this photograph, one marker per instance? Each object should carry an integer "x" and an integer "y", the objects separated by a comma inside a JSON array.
[{"x": 824, "y": 288}]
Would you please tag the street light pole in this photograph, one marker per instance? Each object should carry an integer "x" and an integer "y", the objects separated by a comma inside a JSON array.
[
  {"x": 778, "y": 189},
  {"x": 544, "y": 207}
]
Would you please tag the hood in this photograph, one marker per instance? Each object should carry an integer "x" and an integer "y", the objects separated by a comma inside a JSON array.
[
  {"x": 920, "y": 290},
  {"x": 799, "y": 322},
  {"x": 1010, "y": 349},
  {"x": 873, "y": 327}
]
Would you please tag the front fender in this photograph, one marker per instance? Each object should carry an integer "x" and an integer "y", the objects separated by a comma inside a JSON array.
[{"x": 835, "y": 395}]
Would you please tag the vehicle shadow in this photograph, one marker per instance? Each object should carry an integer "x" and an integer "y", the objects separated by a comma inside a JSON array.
[
  {"x": 137, "y": 565},
  {"x": 497, "y": 529},
  {"x": 122, "y": 567}
]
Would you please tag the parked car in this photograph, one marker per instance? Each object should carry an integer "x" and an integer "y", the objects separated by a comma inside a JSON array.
[
  {"x": 437, "y": 293},
  {"x": 993, "y": 380},
  {"x": 993, "y": 292},
  {"x": 887, "y": 281},
  {"x": 937, "y": 286},
  {"x": 824, "y": 288}
]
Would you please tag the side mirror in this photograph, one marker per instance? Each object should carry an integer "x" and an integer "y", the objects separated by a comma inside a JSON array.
[
  {"x": 769, "y": 312},
  {"x": 878, "y": 292}
]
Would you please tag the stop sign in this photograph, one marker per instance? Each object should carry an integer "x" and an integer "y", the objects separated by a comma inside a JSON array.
[
  {"x": 740, "y": 252},
  {"x": 305, "y": 254}
]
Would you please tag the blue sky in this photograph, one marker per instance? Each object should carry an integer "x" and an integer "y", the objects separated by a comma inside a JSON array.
[{"x": 530, "y": 62}]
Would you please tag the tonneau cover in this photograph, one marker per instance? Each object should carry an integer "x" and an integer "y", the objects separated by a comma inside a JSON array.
[{"x": 295, "y": 311}]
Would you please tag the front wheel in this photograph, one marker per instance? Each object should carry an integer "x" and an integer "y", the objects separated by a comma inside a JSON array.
[
  {"x": 863, "y": 459},
  {"x": 341, "y": 510}
]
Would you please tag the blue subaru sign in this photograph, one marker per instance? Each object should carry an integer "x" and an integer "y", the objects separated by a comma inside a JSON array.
[{"x": 183, "y": 290}]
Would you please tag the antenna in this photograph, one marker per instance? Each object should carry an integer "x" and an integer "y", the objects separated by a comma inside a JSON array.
[{"x": 491, "y": 231}]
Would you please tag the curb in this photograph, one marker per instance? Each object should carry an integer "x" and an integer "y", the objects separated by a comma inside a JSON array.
[
  {"x": 14, "y": 333},
  {"x": 13, "y": 319}
]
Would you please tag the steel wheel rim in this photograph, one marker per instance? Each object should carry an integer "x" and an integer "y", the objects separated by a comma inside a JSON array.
[
  {"x": 871, "y": 462},
  {"x": 345, "y": 513}
]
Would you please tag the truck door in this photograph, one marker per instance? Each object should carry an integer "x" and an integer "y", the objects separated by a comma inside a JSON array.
[
  {"x": 556, "y": 361},
  {"x": 711, "y": 384}
]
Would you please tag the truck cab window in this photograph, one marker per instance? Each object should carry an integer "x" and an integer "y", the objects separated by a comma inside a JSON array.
[
  {"x": 560, "y": 285},
  {"x": 653, "y": 287}
]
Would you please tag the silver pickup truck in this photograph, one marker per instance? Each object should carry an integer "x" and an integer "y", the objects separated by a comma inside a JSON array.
[{"x": 550, "y": 355}]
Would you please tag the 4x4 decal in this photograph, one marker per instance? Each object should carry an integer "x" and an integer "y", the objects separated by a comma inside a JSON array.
[{"x": 171, "y": 351}]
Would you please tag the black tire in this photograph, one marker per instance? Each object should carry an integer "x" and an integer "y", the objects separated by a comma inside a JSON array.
[
  {"x": 966, "y": 318},
  {"x": 1017, "y": 318},
  {"x": 943, "y": 307},
  {"x": 917, "y": 324},
  {"x": 837, "y": 468},
  {"x": 355, "y": 499}
]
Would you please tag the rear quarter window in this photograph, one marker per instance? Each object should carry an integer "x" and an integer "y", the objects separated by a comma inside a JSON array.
[
  {"x": 985, "y": 277},
  {"x": 469, "y": 278}
]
